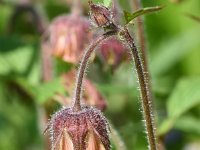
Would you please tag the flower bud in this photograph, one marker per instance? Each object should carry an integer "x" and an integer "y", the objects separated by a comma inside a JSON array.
[
  {"x": 100, "y": 15},
  {"x": 83, "y": 130}
]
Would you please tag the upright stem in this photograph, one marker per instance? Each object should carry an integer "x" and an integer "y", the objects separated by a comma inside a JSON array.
[
  {"x": 141, "y": 35},
  {"x": 144, "y": 89},
  {"x": 47, "y": 64},
  {"x": 47, "y": 75},
  {"x": 82, "y": 69},
  {"x": 76, "y": 7},
  {"x": 142, "y": 42}
]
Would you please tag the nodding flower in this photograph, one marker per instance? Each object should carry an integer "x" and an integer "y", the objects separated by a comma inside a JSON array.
[
  {"x": 86, "y": 129},
  {"x": 68, "y": 36},
  {"x": 113, "y": 52}
]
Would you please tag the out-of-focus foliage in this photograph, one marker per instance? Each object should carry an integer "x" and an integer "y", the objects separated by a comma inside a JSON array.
[
  {"x": 187, "y": 89},
  {"x": 103, "y": 2},
  {"x": 130, "y": 16},
  {"x": 173, "y": 41}
]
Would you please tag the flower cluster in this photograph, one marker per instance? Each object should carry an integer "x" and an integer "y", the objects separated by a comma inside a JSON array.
[{"x": 79, "y": 127}]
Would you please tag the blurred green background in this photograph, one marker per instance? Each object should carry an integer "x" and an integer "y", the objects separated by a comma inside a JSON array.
[{"x": 173, "y": 45}]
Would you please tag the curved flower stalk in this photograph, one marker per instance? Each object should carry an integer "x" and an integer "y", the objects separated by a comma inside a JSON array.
[
  {"x": 82, "y": 69},
  {"x": 91, "y": 95}
]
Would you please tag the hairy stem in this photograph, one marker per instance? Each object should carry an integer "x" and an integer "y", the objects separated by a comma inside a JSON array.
[
  {"x": 82, "y": 69},
  {"x": 117, "y": 141},
  {"x": 144, "y": 89},
  {"x": 141, "y": 34},
  {"x": 142, "y": 42}
]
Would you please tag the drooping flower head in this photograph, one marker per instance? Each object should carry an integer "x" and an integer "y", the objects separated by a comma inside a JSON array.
[
  {"x": 68, "y": 36},
  {"x": 82, "y": 130}
]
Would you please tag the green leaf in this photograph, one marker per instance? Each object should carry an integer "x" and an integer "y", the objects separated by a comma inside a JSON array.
[
  {"x": 129, "y": 17},
  {"x": 43, "y": 92},
  {"x": 16, "y": 60},
  {"x": 6, "y": 11},
  {"x": 48, "y": 90},
  {"x": 185, "y": 96},
  {"x": 165, "y": 126},
  {"x": 106, "y": 3},
  {"x": 178, "y": 47},
  {"x": 188, "y": 124}
]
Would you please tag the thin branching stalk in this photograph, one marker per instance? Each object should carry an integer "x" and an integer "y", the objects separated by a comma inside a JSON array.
[
  {"x": 83, "y": 65},
  {"x": 144, "y": 89},
  {"x": 117, "y": 141}
]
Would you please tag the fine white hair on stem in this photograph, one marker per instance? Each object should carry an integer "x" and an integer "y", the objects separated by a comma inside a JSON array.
[
  {"x": 145, "y": 90},
  {"x": 83, "y": 67}
]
